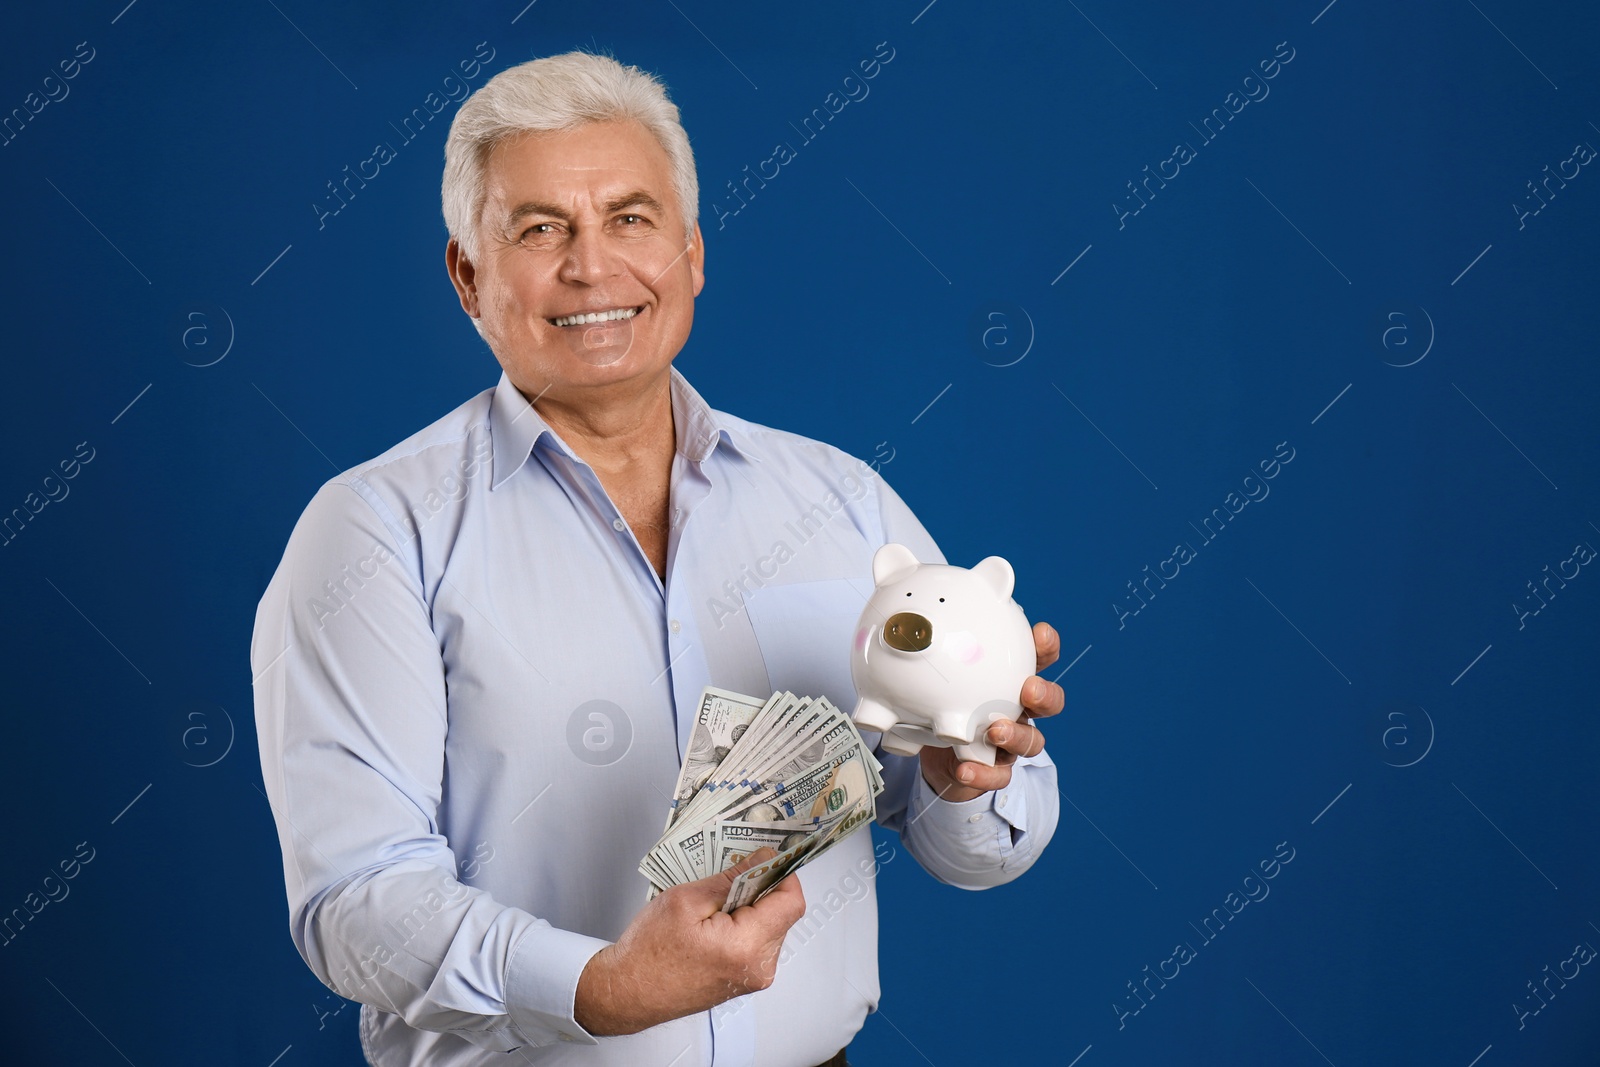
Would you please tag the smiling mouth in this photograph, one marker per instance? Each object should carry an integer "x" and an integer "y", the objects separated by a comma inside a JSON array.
[{"x": 590, "y": 318}]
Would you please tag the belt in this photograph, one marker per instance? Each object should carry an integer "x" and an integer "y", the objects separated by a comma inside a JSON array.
[{"x": 836, "y": 1060}]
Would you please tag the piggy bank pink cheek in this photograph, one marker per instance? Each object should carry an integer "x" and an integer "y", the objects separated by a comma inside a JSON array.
[
  {"x": 861, "y": 638},
  {"x": 972, "y": 653}
]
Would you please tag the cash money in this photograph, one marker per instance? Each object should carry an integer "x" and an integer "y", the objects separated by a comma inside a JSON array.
[
  {"x": 788, "y": 772},
  {"x": 720, "y": 722},
  {"x": 753, "y": 883}
]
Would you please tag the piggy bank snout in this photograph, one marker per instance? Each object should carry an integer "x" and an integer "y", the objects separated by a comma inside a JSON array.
[{"x": 908, "y": 632}]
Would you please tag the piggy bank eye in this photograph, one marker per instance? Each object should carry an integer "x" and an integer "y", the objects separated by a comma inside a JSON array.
[
  {"x": 941, "y": 600},
  {"x": 908, "y": 594}
]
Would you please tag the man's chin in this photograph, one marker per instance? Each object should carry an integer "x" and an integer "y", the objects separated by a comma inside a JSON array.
[{"x": 601, "y": 344}]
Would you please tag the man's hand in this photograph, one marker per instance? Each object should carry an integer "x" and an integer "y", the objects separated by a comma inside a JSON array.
[
  {"x": 682, "y": 955},
  {"x": 956, "y": 780}
]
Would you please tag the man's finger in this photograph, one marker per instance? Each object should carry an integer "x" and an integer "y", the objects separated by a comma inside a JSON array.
[
  {"x": 717, "y": 885},
  {"x": 780, "y": 908},
  {"x": 1016, "y": 737},
  {"x": 987, "y": 779},
  {"x": 1046, "y": 645},
  {"x": 1041, "y": 697},
  {"x": 760, "y": 855},
  {"x": 711, "y": 892},
  {"x": 787, "y": 899}
]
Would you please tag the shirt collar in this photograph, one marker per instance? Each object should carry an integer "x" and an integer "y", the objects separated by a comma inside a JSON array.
[{"x": 517, "y": 428}]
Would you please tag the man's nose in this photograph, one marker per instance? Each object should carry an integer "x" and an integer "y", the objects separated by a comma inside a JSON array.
[
  {"x": 908, "y": 631},
  {"x": 590, "y": 257}
]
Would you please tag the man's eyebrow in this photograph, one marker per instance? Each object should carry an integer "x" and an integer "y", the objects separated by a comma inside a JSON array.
[
  {"x": 634, "y": 198},
  {"x": 536, "y": 207}
]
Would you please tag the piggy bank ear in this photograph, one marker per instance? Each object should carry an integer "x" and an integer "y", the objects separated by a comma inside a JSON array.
[
  {"x": 997, "y": 573},
  {"x": 891, "y": 563}
]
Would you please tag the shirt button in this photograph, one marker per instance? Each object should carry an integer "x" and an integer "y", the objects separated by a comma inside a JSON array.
[
  {"x": 618, "y": 525},
  {"x": 1002, "y": 801},
  {"x": 974, "y": 818},
  {"x": 675, "y": 626},
  {"x": 563, "y": 1035}
]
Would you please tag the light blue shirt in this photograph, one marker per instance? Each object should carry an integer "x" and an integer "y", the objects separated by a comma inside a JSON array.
[{"x": 473, "y": 693}]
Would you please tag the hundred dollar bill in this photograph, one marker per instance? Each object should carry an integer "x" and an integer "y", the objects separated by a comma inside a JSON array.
[
  {"x": 839, "y": 779},
  {"x": 685, "y": 844},
  {"x": 799, "y": 742},
  {"x": 789, "y": 772},
  {"x": 690, "y": 853},
  {"x": 802, "y": 754},
  {"x": 815, "y": 796},
  {"x": 767, "y": 730},
  {"x": 730, "y": 840},
  {"x": 802, "y": 750},
  {"x": 822, "y": 736},
  {"x": 658, "y": 872},
  {"x": 720, "y": 722},
  {"x": 843, "y": 827},
  {"x": 781, "y": 731},
  {"x": 755, "y": 882}
]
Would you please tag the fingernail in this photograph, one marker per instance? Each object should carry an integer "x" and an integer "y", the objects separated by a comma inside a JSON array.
[
  {"x": 998, "y": 733},
  {"x": 965, "y": 774}
]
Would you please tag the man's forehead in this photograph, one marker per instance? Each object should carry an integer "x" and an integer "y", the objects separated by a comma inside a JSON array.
[{"x": 611, "y": 153}]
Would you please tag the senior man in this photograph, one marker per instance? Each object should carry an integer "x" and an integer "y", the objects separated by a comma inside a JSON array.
[{"x": 479, "y": 660}]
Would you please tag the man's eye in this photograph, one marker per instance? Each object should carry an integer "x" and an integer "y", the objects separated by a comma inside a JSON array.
[
  {"x": 538, "y": 229},
  {"x": 632, "y": 219}
]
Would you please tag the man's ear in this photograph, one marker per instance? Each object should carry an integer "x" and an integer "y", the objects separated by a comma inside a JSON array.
[
  {"x": 697, "y": 260},
  {"x": 463, "y": 275}
]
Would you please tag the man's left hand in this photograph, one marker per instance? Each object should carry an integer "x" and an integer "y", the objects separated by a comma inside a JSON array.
[{"x": 957, "y": 780}]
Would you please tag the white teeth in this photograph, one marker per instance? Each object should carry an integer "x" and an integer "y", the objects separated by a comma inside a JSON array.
[{"x": 596, "y": 316}]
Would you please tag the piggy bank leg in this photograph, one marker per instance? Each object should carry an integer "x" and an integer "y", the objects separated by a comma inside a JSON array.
[
  {"x": 871, "y": 715},
  {"x": 953, "y": 728},
  {"x": 978, "y": 750},
  {"x": 897, "y": 745}
]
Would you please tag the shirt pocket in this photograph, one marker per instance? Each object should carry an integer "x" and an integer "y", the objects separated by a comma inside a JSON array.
[{"x": 804, "y": 630}]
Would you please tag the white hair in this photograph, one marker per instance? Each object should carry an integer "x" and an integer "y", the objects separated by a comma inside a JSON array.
[{"x": 557, "y": 93}]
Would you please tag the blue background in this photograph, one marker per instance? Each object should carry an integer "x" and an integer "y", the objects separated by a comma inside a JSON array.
[{"x": 1344, "y": 669}]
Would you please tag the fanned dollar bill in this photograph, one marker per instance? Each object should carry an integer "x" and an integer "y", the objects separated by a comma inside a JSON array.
[
  {"x": 721, "y": 720},
  {"x": 788, "y": 773},
  {"x": 753, "y": 883}
]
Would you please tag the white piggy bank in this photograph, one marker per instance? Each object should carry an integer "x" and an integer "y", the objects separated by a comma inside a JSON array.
[{"x": 940, "y": 653}]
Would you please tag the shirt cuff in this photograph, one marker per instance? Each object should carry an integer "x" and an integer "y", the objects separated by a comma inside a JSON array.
[
  {"x": 953, "y": 816},
  {"x": 542, "y": 984},
  {"x": 978, "y": 818}
]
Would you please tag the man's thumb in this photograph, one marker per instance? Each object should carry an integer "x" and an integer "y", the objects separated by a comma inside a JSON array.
[{"x": 723, "y": 880}]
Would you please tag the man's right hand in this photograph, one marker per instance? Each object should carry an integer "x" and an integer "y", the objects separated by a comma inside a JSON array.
[{"x": 682, "y": 954}]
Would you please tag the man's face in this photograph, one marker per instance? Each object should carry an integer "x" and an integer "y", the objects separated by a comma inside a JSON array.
[{"x": 576, "y": 224}]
